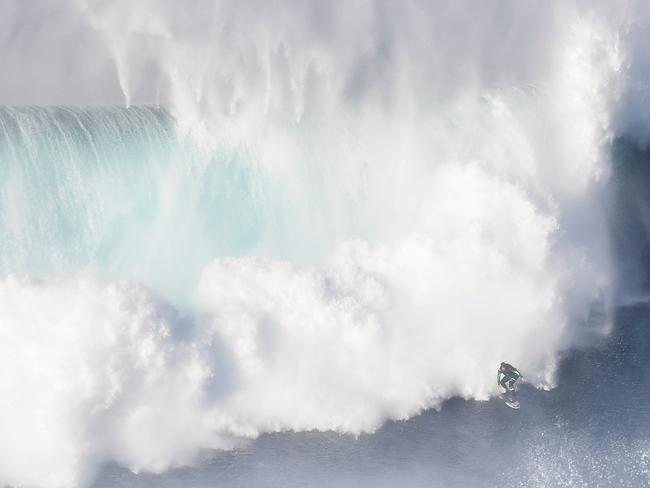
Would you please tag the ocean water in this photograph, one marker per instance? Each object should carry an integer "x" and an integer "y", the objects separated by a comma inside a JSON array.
[{"x": 254, "y": 244}]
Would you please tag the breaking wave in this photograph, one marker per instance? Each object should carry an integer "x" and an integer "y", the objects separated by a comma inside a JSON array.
[{"x": 329, "y": 217}]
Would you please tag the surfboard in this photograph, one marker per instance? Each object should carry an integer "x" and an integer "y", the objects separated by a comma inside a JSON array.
[
  {"x": 510, "y": 399},
  {"x": 512, "y": 403}
]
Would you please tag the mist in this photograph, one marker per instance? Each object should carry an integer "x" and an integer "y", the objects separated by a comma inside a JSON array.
[{"x": 254, "y": 217}]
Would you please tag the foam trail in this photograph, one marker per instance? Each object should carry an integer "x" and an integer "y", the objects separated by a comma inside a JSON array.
[{"x": 341, "y": 215}]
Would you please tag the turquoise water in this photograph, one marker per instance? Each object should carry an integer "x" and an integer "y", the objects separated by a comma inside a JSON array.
[{"x": 118, "y": 191}]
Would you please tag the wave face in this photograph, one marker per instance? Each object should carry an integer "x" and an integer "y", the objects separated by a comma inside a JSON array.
[
  {"x": 115, "y": 189},
  {"x": 337, "y": 216}
]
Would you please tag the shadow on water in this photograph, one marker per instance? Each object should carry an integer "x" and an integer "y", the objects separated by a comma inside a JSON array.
[
  {"x": 629, "y": 217},
  {"x": 593, "y": 430}
]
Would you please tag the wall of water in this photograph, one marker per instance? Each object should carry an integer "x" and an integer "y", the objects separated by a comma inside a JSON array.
[
  {"x": 118, "y": 191},
  {"x": 329, "y": 216}
]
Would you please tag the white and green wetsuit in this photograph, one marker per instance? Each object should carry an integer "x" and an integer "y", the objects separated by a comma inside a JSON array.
[{"x": 508, "y": 377}]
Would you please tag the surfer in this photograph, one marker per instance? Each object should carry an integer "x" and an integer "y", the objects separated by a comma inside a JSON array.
[{"x": 507, "y": 376}]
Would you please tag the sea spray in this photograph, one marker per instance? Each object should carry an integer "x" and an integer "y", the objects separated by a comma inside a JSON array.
[{"x": 329, "y": 217}]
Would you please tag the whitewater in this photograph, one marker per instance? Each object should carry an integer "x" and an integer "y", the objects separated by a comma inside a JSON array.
[{"x": 238, "y": 219}]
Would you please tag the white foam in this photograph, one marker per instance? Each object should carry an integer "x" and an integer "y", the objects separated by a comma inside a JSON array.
[{"x": 105, "y": 371}]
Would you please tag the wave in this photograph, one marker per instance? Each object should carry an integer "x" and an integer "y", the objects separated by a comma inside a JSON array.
[{"x": 332, "y": 218}]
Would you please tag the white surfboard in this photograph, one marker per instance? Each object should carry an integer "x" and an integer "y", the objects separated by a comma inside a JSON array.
[{"x": 512, "y": 403}]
